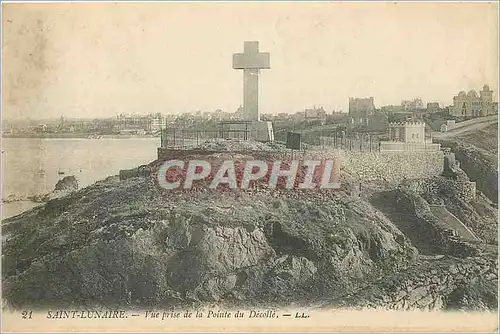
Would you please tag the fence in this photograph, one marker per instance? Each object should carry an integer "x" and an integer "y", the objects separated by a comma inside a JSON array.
[
  {"x": 363, "y": 142},
  {"x": 175, "y": 138},
  {"x": 366, "y": 143}
]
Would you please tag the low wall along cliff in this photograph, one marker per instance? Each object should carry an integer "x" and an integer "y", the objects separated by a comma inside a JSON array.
[
  {"x": 402, "y": 146},
  {"x": 392, "y": 166},
  {"x": 366, "y": 166}
]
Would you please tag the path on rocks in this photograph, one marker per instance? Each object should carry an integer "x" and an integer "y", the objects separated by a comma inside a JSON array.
[
  {"x": 460, "y": 129},
  {"x": 449, "y": 219}
]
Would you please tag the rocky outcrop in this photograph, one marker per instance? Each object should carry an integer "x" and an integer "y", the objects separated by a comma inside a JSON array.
[
  {"x": 141, "y": 171},
  {"x": 478, "y": 157},
  {"x": 475, "y": 211},
  {"x": 470, "y": 283},
  {"x": 443, "y": 238},
  {"x": 132, "y": 244},
  {"x": 124, "y": 242},
  {"x": 63, "y": 187},
  {"x": 67, "y": 184},
  {"x": 481, "y": 168}
]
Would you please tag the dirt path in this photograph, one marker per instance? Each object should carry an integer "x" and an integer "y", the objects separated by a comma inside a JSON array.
[
  {"x": 458, "y": 131},
  {"x": 449, "y": 219}
]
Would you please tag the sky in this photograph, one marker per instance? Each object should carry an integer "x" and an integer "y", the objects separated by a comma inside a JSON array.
[{"x": 102, "y": 59}]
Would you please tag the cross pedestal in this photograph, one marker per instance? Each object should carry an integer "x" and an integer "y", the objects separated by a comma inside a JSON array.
[{"x": 251, "y": 61}]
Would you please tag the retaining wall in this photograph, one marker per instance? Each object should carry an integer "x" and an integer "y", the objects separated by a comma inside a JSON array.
[
  {"x": 392, "y": 166},
  {"x": 403, "y": 146},
  {"x": 367, "y": 166}
]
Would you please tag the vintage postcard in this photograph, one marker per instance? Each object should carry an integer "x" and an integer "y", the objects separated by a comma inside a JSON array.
[{"x": 249, "y": 167}]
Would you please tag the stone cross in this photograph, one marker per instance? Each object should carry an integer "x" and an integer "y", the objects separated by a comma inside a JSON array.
[{"x": 251, "y": 61}]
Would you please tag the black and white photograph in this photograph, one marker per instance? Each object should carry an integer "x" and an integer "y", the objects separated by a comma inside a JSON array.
[{"x": 249, "y": 166}]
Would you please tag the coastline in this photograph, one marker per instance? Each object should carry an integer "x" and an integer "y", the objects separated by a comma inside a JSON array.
[
  {"x": 74, "y": 136},
  {"x": 16, "y": 208}
]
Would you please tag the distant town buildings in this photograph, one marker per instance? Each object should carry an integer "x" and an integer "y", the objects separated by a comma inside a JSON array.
[
  {"x": 140, "y": 123},
  {"x": 410, "y": 110},
  {"x": 362, "y": 116},
  {"x": 412, "y": 105},
  {"x": 338, "y": 115},
  {"x": 450, "y": 124},
  {"x": 219, "y": 115},
  {"x": 391, "y": 109},
  {"x": 315, "y": 114},
  {"x": 156, "y": 123},
  {"x": 433, "y": 107},
  {"x": 298, "y": 117},
  {"x": 360, "y": 110},
  {"x": 240, "y": 113},
  {"x": 473, "y": 105},
  {"x": 42, "y": 128}
]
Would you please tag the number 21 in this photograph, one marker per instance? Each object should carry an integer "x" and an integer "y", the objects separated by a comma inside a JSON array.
[{"x": 26, "y": 314}]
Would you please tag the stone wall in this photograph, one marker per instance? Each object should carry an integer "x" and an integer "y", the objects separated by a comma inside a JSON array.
[
  {"x": 466, "y": 190},
  {"x": 480, "y": 167},
  {"x": 392, "y": 166},
  {"x": 463, "y": 189},
  {"x": 404, "y": 146}
]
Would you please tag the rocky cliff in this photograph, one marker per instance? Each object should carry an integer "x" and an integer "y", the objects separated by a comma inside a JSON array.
[
  {"x": 435, "y": 283},
  {"x": 124, "y": 242},
  {"x": 63, "y": 187},
  {"x": 478, "y": 156},
  {"x": 129, "y": 243}
]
